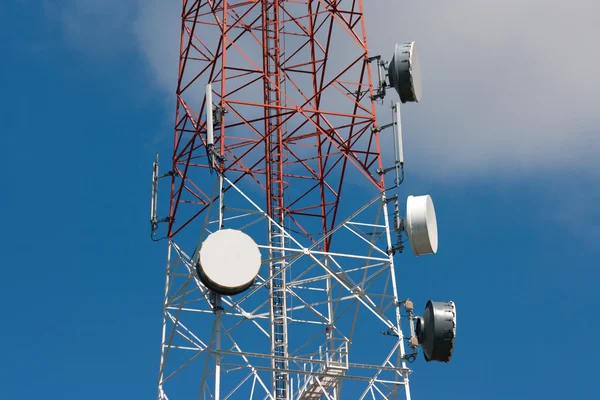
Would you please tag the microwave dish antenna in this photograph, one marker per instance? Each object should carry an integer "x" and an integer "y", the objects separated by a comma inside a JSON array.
[
  {"x": 229, "y": 262},
  {"x": 404, "y": 72},
  {"x": 421, "y": 225},
  {"x": 436, "y": 330}
]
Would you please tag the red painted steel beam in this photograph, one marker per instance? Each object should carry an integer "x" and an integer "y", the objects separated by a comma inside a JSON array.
[{"x": 321, "y": 106}]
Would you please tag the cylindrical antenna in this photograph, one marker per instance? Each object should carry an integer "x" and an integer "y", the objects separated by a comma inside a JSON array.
[
  {"x": 380, "y": 65},
  {"x": 399, "y": 135},
  {"x": 210, "y": 138},
  {"x": 395, "y": 136},
  {"x": 154, "y": 198}
]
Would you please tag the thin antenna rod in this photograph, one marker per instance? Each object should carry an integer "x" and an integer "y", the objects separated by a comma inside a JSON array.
[
  {"x": 210, "y": 138},
  {"x": 154, "y": 199}
]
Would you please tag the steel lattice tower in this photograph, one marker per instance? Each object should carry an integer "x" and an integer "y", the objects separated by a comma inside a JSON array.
[{"x": 297, "y": 165}]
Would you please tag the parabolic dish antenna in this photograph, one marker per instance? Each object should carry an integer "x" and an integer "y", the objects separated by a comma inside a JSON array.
[
  {"x": 436, "y": 330},
  {"x": 404, "y": 72},
  {"x": 229, "y": 261},
  {"x": 421, "y": 225}
]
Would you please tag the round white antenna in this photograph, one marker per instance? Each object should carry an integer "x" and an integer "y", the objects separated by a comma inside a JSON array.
[
  {"x": 421, "y": 225},
  {"x": 229, "y": 261},
  {"x": 404, "y": 72}
]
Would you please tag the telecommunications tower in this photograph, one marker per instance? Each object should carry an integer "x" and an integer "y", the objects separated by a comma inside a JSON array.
[{"x": 284, "y": 219}]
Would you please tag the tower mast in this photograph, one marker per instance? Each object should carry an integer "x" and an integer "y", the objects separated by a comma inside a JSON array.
[{"x": 275, "y": 119}]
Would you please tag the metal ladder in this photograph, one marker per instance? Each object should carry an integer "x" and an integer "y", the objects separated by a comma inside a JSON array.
[{"x": 276, "y": 160}]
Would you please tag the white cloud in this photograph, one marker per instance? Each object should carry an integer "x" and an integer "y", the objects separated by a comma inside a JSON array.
[
  {"x": 100, "y": 27},
  {"x": 157, "y": 30},
  {"x": 509, "y": 86}
]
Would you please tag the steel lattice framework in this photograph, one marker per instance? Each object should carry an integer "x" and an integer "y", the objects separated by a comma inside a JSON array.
[{"x": 295, "y": 128}]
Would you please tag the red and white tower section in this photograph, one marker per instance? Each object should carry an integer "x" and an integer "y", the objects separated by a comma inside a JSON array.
[{"x": 284, "y": 220}]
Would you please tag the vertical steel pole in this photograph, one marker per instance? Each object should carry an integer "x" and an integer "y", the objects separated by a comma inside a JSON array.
[
  {"x": 163, "y": 347},
  {"x": 218, "y": 347},
  {"x": 395, "y": 290}
]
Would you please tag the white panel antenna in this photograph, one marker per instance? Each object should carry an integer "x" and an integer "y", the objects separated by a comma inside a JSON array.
[
  {"x": 399, "y": 149},
  {"x": 210, "y": 136}
]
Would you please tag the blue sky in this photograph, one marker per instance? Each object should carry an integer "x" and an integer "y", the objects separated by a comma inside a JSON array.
[{"x": 85, "y": 108}]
